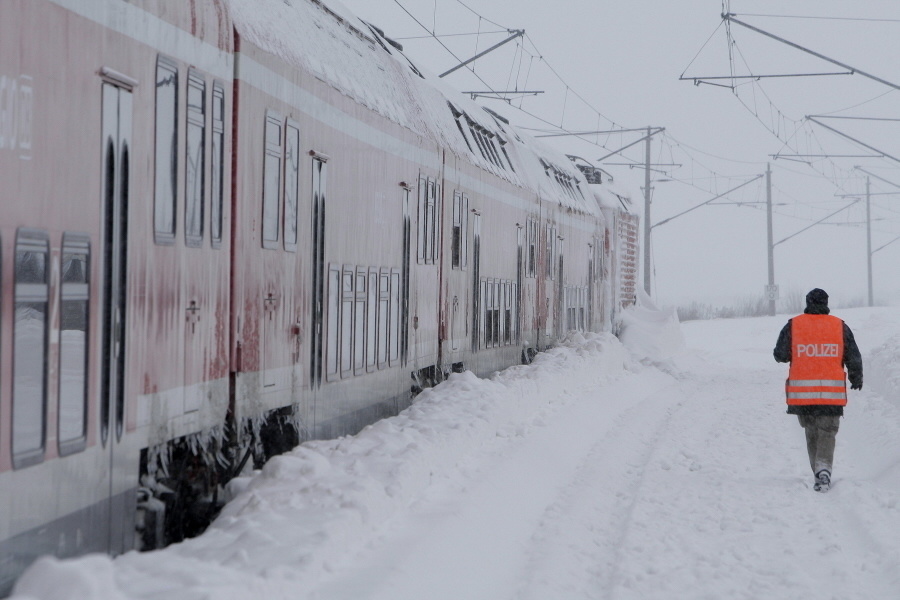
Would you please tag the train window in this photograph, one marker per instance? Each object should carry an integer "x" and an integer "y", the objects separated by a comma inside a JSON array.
[
  {"x": 552, "y": 251},
  {"x": 488, "y": 302},
  {"x": 30, "y": 347},
  {"x": 431, "y": 217},
  {"x": 500, "y": 304},
  {"x": 548, "y": 322},
  {"x": 492, "y": 150},
  {"x": 271, "y": 180},
  {"x": 489, "y": 314},
  {"x": 334, "y": 307},
  {"x": 166, "y": 169},
  {"x": 506, "y": 155},
  {"x": 195, "y": 160},
  {"x": 73, "y": 342},
  {"x": 515, "y": 313},
  {"x": 465, "y": 232},
  {"x": 423, "y": 192},
  {"x": 479, "y": 139},
  {"x": 482, "y": 325},
  {"x": 456, "y": 249},
  {"x": 217, "y": 179},
  {"x": 383, "y": 302},
  {"x": 372, "y": 320},
  {"x": 395, "y": 316},
  {"x": 359, "y": 322},
  {"x": 464, "y": 136},
  {"x": 291, "y": 184},
  {"x": 507, "y": 312},
  {"x": 347, "y": 297},
  {"x": 531, "y": 256},
  {"x": 457, "y": 117},
  {"x": 582, "y": 295},
  {"x": 495, "y": 309},
  {"x": 429, "y": 223},
  {"x": 460, "y": 230}
]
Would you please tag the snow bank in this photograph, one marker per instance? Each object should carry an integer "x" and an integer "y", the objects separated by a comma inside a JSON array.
[
  {"x": 652, "y": 334},
  {"x": 882, "y": 370},
  {"x": 312, "y": 508}
]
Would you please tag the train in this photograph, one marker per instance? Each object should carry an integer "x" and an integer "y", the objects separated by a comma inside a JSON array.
[{"x": 230, "y": 226}]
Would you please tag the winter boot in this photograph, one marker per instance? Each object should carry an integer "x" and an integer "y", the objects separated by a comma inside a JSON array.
[{"x": 823, "y": 481}]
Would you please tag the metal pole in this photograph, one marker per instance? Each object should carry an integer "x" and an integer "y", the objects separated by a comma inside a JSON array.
[
  {"x": 664, "y": 221},
  {"x": 869, "y": 240},
  {"x": 647, "y": 216},
  {"x": 515, "y": 33},
  {"x": 770, "y": 238},
  {"x": 730, "y": 18}
]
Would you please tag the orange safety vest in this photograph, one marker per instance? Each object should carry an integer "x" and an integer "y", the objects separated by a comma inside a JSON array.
[{"x": 817, "y": 374}]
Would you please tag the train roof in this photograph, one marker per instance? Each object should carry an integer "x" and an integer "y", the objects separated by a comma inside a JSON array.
[
  {"x": 325, "y": 38},
  {"x": 614, "y": 196}
]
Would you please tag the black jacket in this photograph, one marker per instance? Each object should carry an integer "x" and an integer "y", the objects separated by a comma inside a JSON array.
[{"x": 852, "y": 360}]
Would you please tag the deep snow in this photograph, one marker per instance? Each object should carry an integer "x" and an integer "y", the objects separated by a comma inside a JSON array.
[{"x": 662, "y": 466}]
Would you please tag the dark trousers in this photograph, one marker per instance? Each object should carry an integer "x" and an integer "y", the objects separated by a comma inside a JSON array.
[{"x": 820, "y": 437}]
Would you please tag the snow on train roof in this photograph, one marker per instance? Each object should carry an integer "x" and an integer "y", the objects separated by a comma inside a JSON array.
[
  {"x": 325, "y": 38},
  {"x": 614, "y": 196}
]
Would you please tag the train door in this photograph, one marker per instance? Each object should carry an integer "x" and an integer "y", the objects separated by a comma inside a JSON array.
[
  {"x": 195, "y": 282},
  {"x": 271, "y": 235},
  {"x": 319, "y": 180},
  {"x": 404, "y": 276},
  {"x": 459, "y": 263},
  {"x": 520, "y": 283},
  {"x": 117, "y": 124},
  {"x": 560, "y": 294},
  {"x": 476, "y": 282}
]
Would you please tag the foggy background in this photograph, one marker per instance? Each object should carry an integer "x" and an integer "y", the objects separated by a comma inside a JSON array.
[{"x": 605, "y": 66}]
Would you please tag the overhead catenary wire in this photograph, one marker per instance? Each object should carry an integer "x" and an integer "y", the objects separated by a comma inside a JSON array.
[
  {"x": 824, "y": 18},
  {"x": 787, "y": 129}
]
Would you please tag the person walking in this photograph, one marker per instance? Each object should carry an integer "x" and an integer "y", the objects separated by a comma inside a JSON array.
[{"x": 818, "y": 346}]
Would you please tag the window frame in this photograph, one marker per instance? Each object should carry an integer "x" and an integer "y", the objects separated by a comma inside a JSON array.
[
  {"x": 372, "y": 320},
  {"x": 73, "y": 242},
  {"x": 332, "y": 360},
  {"x": 420, "y": 233},
  {"x": 291, "y": 182},
  {"x": 531, "y": 248},
  {"x": 430, "y": 219},
  {"x": 31, "y": 240},
  {"x": 161, "y": 236},
  {"x": 217, "y": 166},
  {"x": 360, "y": 320},
  {"x": 394, "y": 311},
  {"x": 195, "y": 186},
  {"x": 459, "y": 253},
  {"x": 429, "y": 228},
  {"x": 382, "y": 347},
  {"x": 346, "y": 327},
  {"x": 273, "y": 157}
]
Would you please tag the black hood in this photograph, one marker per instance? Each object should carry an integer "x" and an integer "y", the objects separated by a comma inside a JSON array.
[{"x": 816, "y": 302}]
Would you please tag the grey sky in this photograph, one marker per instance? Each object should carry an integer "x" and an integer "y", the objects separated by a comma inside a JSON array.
[{"x": 625, "y": 58}]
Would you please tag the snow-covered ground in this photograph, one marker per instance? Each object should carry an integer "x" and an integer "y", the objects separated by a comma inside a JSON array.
[{"x": 662, "y": 468}]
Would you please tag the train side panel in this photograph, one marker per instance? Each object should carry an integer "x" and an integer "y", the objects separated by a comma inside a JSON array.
[
  {"x": 91, "y": 316},
  {"x": 333, "y": 306}
]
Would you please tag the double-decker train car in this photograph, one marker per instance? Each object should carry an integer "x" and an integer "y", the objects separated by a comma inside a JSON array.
[
  {"x": 114, "y": 281},
  {"x": 228, "y": 226}
]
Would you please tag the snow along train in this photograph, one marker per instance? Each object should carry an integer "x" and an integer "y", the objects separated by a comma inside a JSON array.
[{"x": 227, "y": 226}]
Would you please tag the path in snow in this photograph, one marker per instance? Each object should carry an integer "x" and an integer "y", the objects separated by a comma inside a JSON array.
[
  {"x": 697, "y": 487},
  {"x": 588, "y": 475}
]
